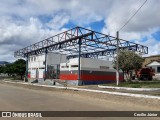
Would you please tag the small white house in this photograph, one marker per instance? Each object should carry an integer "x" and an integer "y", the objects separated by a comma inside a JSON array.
[{"x": 155, "y": 65}]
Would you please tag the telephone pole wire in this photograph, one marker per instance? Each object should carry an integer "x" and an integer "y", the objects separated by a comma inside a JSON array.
[{"x": 133, "y": 15}]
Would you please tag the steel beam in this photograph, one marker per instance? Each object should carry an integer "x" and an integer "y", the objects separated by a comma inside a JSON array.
[{"x": 94, "y": 43}]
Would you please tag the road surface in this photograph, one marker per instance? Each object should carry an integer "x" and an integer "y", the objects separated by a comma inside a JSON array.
[{"x": 15, "y": 98}]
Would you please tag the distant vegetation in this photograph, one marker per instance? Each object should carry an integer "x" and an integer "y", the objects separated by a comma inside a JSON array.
[{"x": 15, "y": 69}]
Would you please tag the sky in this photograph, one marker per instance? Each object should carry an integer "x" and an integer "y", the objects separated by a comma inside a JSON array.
[{"x": 24, "y": 22}]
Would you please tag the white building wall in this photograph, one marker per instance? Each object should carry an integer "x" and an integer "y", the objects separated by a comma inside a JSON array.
[
  {"x": 95, "y": 63},
  {"x": 53, "y": 59},
  {"x": 87, "y": 64},
  {"x": 38, "y": 63}
]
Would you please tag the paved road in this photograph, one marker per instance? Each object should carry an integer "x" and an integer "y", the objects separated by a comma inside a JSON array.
[{"x": 13, "y": 98}]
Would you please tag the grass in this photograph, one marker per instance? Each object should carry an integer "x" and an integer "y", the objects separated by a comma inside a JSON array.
[
  {"x": 16, "y": 78},
  {"x": 137, "y": 84},
  {"x": 12, "y": 78}
]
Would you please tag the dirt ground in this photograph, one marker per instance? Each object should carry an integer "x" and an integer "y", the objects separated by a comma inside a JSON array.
[{"x": 144, "y": 103}]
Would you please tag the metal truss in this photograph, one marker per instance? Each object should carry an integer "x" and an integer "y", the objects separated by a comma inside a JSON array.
[{"x": 93, "y": 44}]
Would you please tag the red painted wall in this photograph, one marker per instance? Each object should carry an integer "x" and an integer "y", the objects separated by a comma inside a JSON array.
[{"x": 90, "y": 77}]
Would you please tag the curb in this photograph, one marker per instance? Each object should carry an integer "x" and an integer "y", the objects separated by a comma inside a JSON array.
[
  {"x": 126, "y": 88},
  {"x": 96, "y": 91}
]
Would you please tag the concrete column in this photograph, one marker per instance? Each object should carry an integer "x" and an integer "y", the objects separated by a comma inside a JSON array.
[
  {"x": 117, "y": 65},
  {"x": 79, "y": 62},
  {"x": 26, "y": 78},
  {"x": 46, "y": 52}
]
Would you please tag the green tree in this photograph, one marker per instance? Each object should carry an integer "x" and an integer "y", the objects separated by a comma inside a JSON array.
[
  {"x": 1, "y": 69},
  {"x": 128, "y": 61},
  {"x": 9, "y": 69},
  {"x": 19, "y": 67},
  {"x": 16, "y": 68}
]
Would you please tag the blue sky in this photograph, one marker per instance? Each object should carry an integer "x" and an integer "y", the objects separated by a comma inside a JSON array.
[
  {"x": 156, "y": 35},
  {"x": 97, "y": 25},
  {"x": 25, "y": 22}
]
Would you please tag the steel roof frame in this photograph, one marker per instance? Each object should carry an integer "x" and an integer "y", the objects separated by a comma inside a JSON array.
[{"x": 92, "y": 44}]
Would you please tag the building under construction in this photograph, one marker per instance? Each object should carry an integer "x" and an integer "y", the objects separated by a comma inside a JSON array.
[{"x": 74, "y": 56}]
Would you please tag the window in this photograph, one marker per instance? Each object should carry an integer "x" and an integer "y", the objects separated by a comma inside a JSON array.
[
  {"x": 74, "y": 65},
  {"x": 64, "y": 66},
  {"x": 158, "y": 69},
  {"x": 41, "y": 67}
]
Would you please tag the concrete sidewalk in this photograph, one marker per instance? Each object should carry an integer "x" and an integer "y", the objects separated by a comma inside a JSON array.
[{"x": 127, "y": 88}]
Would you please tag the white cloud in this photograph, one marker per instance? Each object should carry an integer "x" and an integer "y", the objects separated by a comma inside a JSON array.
[
  {"x": 148, "y": 17},
  {"x": 16, "y": 36},
  {"x": 58, "y": 21},
  {"x": 153, "y": 45},
  {"x": 144, "y": 23},
  {"x": 21, "y": 25}
]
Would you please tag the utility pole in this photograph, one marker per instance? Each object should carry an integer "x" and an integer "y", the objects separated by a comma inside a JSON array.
[
  {"x": 45, "y": 62},
  {"x": 26, "y": 78},
  {"x": 117, "y": 65},
  {"x": 79, "y": 62}
]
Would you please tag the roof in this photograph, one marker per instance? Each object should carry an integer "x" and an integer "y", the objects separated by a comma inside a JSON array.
[
  {"x": 152, "y": 56},
  {"x": 158, "y": 61}
]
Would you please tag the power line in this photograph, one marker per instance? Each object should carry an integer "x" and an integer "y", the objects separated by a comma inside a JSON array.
[{"x": 133, "y": 15}]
